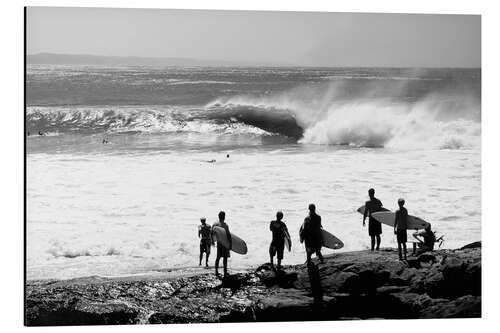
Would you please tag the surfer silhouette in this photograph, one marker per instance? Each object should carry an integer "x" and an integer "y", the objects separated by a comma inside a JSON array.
[
  {"x": 205, "y": 235},
  {"x": 279, "y": 232},
  {"x": 426, "y": 239},
  {"x": 310, "y": 234},
  {"x": 400, "y": 227},
  {"x": 222, "y": 252},
  {"x": 374, "y": 226}
]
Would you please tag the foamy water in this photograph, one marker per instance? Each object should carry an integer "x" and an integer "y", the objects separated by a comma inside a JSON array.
[
  {"x": 294, "y": 136},
  {"x": 133, "y": 213}
]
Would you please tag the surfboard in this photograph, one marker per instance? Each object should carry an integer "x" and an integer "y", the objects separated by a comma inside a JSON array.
[
  {"x": 330, "y": 241},
  {"x": 288, "y": 242},
  {"x": 238, "y": 245},
  {"x": 361, "y": 210},
  {"x": 388, "y": 218}
]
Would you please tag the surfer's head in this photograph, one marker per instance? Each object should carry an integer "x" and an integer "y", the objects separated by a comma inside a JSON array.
[
  {"x": 428, "y": 227},
  {"x": 222, "y": 216},
  {"x": 203, "y": 220},
  {"x": 312, "y": 208},
  {"x": 371, "y": 193},
  {"x": 401, "y": 202},
  {"x": 279, "y": 215}
]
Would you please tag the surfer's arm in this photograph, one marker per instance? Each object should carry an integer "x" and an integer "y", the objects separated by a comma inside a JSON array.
[{"x": 396, "y": 221}]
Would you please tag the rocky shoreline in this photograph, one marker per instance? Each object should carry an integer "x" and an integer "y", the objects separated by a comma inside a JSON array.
[{"x": 352, "y": 285}]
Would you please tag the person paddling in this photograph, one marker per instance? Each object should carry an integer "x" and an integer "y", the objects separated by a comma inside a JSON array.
[
  {"x": 400, "y": 227},
  {"x": 374, "y": 226},
  {"x": 205, "y": 235},
  {"x": 310, "y": 234},
  {"x": 222, "y": 252},
  {"x": 279, "y": 232}
]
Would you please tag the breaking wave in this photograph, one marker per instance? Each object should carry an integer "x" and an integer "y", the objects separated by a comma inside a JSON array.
[
  {"x": 321, "y": 114},
  {"x": 326, "y": 115}
]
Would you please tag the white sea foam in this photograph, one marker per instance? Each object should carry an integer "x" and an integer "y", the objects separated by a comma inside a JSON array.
[{"x": 436, "y": 121}]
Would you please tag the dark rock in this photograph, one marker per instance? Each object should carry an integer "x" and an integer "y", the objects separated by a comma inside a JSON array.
[
  {"x": 363, "y": 284},
  {"x": 279, "y": 278},
  {"x": 413, "y": 263},
  {"x": 473, "y": 245},
  {"x": 427, "y": 258},
  {"x": 390, "y": 289},
  {"x": 463, "y": 307}
]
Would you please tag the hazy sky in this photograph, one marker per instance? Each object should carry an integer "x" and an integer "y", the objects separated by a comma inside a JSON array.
[{"x": 310, "y": 39}]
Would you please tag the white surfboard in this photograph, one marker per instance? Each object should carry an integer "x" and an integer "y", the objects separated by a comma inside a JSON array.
[
  {"x": 388, "y": 218},
  {"x": 330, "y": 241},
  {"x": 238, "y": 245}
]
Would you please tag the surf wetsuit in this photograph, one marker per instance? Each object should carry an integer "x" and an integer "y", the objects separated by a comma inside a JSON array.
[
  {"x": 205, "y": 233},
  {"x": 278, "y": 230},
  {"x": 374, "y": 226}
]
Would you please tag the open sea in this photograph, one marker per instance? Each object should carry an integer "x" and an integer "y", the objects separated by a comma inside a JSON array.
[{"x": 130, "y": 158}]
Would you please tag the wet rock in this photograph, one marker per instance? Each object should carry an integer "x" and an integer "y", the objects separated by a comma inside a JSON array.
[{"x": 362, "y": 284}]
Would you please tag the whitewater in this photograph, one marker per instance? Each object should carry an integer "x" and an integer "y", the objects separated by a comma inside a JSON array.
[{"x": 129, "y": 159}]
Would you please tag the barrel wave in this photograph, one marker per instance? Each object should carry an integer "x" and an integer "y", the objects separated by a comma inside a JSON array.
[{"x": 402, "y": 109}]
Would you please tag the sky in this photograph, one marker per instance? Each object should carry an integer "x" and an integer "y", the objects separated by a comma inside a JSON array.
[{"x": 287, "y": 38}]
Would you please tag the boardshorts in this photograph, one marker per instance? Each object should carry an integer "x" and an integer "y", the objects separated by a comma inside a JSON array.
[
  {"x": 374, "y": 227},
  {"x": 402, "y": 236},
  {"x": 222, "y": 251},
  {"x": 205, "y": 246},
  {"x": 277, "y": 247}
]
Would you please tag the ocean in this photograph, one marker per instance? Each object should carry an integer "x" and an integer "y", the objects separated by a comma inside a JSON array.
[{"x": 123, "y": 161}]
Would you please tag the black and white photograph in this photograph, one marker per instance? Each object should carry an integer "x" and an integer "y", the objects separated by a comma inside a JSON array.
[{"x": 220, "y": 166}]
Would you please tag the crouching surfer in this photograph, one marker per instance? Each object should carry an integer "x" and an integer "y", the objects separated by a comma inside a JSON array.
[
  {"x": 279, "y": 232},
  {"x": 374, "y": 226},
  {"x": 310, "y": 234},
  {"x": 400, "y": 227},
  {"x": 426, "y": 239},
  {"x": 222, "y": 252},
  {"x": 205, "y": 235}
]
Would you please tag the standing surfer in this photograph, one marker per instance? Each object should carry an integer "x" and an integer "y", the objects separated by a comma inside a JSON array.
[
  {"x": 279, "y": 231},
  {"x": 205, "y": 235},
  {"x": 222, "y": 252},
  {"x": 374, "y": 226},
  {"x": 400, "y": 227},
  {"x": 310, "y": 234}
]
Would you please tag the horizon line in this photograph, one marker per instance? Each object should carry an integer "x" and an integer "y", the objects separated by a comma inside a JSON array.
[{"x": 229, "y": 63}]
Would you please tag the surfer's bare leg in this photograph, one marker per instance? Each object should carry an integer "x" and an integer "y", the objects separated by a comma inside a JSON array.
[
  {"x": 271, "y": 255},
  {"x": 399, "y": 251},
  {"x": 309, "y": 254},
  {"x": 201, "y": 257},
  {"x": 206, "y": 259},
  {"x": 320, "y": 256},
  {"x": 373, "y": 242},
  {"x": 224, "y": 262},
  {"x": 404, "y": 250},
  {"x": 217, "y": 265},
  {"x": 279, "y": 263},
  {"x": 378, "y": 242}
]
